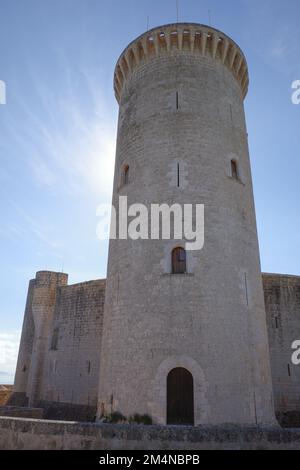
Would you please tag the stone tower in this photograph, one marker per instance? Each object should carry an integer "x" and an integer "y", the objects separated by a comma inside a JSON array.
[
  {"x": 195, "y": 339},
  {"x": 34, "y": 345}
]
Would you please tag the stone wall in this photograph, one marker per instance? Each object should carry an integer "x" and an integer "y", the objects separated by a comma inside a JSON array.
[
  {"x": 71, "y": 371},
  {"x": 67, "y": 411},
  {"x": 45, "y": 435},
  {"x": 282, "y": 300},
  {"x": 58, "y": 364}
]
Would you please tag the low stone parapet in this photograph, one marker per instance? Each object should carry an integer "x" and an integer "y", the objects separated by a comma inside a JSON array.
[{"x": 18, "y": 433}]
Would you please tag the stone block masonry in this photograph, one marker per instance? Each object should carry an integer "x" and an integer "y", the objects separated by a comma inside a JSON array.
[
  {"x": 282, "y": 300},
  {"x": 206, "y": 346},
  {"x": 82, "y": 304},
  {"x": 58, "y": 364},
  {"x": 20, "y": 434}
]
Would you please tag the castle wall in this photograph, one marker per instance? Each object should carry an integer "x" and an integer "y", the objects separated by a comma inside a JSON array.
[
  {"x": 60, "y": 347},
  {"x": 69, "y": 376},
  {"x": 282, "y": 300},
  {"x": 181, "y": 125},
  {"x": 43, "y": 311},
  {"x": 71, "y": 371}
]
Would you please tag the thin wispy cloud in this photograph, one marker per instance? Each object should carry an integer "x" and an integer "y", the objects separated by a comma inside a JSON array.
[
  {"x": 27, "y": 224},
  {"x": 65, "y": 141},
  {"x": 65, "y": 145},
  {"x": 274, "y": 34}
]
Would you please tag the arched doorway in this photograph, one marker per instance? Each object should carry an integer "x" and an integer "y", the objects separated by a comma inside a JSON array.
[
  {"x": 178, "y": 261},
  {"x": 180, "y": 397}
]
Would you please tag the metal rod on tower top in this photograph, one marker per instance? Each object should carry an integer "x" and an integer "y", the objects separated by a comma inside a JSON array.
[{"x": 177, "y": 11}]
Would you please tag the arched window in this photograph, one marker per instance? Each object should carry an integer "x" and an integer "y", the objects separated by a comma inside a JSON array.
[
  {"x": 178, "y": 261},
  {"x": 125, "y": 176},
  {"x": 180, "y": 397},
  {"x": 234, "y": 170}
]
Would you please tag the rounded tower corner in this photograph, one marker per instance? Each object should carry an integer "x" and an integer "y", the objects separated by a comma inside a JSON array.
[{"x": 182, "y": 132}]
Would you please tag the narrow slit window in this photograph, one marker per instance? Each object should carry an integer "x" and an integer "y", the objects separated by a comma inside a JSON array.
[
  {"x": 231, "y": 113},
  {"x": 234, "y": 170},
  {"x": 177, "y": 100},
  {"x": 246, "y": 289},
  {"x": 126, "y": 174},
  {"x": 54, "y": 340},
  {"x": 178, "y": 175},
  {"x": 289, "y": 370}
]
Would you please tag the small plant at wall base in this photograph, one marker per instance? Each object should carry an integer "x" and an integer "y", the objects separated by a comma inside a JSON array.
[
  {"x": 117, "y": 418},
  {"x": 140, "y": 419}
]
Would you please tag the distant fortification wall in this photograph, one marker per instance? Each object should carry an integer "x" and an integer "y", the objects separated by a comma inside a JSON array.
[
  {"x": 282, "y": 300},
  {"x": 59, "y": 356},
  {"x": 58, "y": 364}
]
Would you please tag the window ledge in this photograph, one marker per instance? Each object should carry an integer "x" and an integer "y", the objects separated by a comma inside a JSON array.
[
  {"x": 178, "y": 275},
  {"x": 237, "y": 180}
]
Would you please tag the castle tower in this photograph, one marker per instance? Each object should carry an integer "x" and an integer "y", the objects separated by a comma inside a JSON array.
[
  {"x": 185, "y": 336},
  {"x": 36, "y": 331}
]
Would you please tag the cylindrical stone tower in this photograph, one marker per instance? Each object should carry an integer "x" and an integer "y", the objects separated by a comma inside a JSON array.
[
  {"x": 36, "y": 331},
  {"x": 189, "y": 347}
]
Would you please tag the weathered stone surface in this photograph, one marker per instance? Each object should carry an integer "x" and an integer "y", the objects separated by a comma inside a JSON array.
[
  {"x": 58, "y": 362},
  {"x": 49, "y": 435},
  {"x": 282, "y": 300},
  {"x": 182, "y": 107}
]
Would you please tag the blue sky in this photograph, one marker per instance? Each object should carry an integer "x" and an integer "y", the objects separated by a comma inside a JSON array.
[{"x": 58, "y": 129}]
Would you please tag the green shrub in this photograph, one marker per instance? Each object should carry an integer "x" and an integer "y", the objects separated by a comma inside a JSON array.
[{"x": 140, "y": 419}]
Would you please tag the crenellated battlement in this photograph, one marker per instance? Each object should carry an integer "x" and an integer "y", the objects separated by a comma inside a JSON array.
[{"x": 182, "y": 37}]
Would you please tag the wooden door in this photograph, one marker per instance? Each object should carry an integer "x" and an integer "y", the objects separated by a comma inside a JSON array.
[
  {"x": 178, "y": 261},
  {"x": 180, "y": 397}
]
